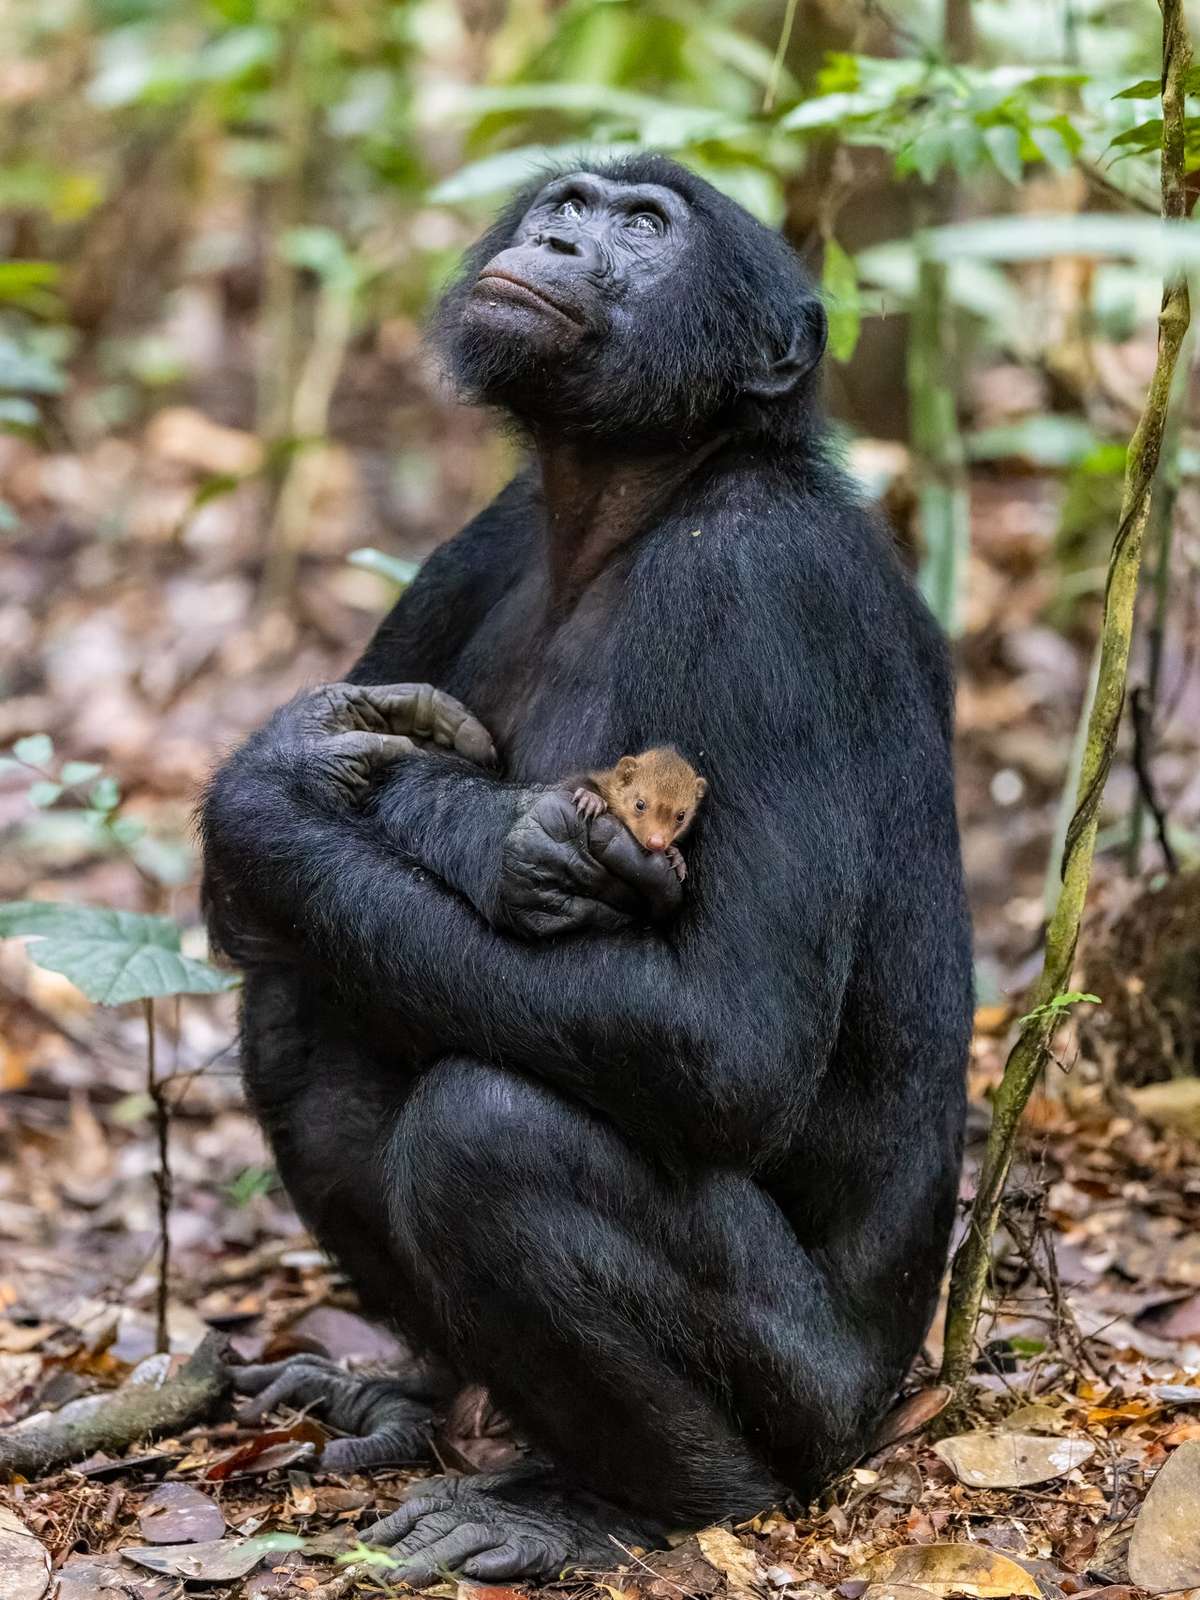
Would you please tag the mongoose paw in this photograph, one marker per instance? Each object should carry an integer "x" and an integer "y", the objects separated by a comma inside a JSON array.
[
  {"x": 675, "y": 857},
  {"x": 588, "y": 803}
]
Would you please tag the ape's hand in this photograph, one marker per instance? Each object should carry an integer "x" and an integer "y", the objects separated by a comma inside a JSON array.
[
  {"x": 350, "y": 732},
  {"x": 561, "y": 873}
]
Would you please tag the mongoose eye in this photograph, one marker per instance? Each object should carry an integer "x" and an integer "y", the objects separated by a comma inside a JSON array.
[
  {"x": 679, "y": 816},
  {"x": 639, "y": 805}
]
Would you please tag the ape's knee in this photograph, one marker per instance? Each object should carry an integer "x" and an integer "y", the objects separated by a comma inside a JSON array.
[{"x": 463, "y": 1149}]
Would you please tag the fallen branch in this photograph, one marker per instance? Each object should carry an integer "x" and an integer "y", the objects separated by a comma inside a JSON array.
[
  {"x": 1031, "y": 1053},
  {"x": 117, "y": 1420}
]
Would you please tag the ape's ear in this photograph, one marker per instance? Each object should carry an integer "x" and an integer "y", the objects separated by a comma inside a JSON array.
[
  {"x": 780, "y": 377},
  {"x": 701, "y": 788},
  {"x": 626, "y": 768}
]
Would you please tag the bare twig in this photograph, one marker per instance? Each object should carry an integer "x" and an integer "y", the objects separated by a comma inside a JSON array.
[{"x": 1031, "y": 1052}]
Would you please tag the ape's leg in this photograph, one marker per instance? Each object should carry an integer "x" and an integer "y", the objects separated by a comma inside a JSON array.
[
  {"x": 323, "y": 1099},
  {"x": 640, "y": 1330}
]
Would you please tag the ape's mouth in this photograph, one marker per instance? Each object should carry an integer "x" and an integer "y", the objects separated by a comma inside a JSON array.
[{"x": 512, "y": 288}]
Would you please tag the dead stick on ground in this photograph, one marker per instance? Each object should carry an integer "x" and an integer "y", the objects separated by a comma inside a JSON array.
[
  {"x": 1031, "y": 1052},
  {"x": 115, "y": 1421}
]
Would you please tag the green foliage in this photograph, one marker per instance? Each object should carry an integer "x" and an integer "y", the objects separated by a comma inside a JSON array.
[
  {"x": 843, "y": 305},
  {"x": 251, "y": 1183},
  {"x": 1059, "y": 1006},
  {"x": 113, "y": 956},
  {"x": 394, "y": 568}
]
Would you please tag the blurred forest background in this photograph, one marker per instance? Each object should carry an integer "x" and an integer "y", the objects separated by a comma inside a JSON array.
[{"x": 222, "y": 450}]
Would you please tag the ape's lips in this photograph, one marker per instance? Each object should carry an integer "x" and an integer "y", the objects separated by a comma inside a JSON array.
[{"x": 517, "y": 289}]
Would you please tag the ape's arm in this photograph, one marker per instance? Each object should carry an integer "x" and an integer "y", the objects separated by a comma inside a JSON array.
[{"x": 673, "y": 1040}]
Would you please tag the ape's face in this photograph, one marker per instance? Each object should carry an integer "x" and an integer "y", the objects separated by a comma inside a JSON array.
[{"x": 583, "y": 261}]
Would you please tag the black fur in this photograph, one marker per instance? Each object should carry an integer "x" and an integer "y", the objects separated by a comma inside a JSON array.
[{"x": 680, "y": 1198}]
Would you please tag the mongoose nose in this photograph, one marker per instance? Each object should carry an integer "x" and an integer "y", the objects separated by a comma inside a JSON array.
[{"x": 656, "y": 842}]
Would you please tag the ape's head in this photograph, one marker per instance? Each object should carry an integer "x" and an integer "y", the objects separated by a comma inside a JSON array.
[{"x": 635, "y": 300}]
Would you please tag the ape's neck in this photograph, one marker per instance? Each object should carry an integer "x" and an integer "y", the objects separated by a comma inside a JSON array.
[{"x": 598, "y": 497}]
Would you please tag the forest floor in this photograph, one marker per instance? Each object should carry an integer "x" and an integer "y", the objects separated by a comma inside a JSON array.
[{"x": 134, "y": 631}]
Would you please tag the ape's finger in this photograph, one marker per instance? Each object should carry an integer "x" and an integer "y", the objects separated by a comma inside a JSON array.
[
  {"x": 390, "y": 1529},
  {"x": 391, "y": 1444},
  {"x": 423, "y": 712},
  {"x": 426, "y": 1553},
  {"x": 257, "y": 1376},
  {"x": 512, "y": 1559}
]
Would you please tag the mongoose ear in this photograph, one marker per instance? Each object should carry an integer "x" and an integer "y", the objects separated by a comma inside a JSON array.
[
  {"x": 626, "y": 768},
  {"x": 701, "y": 788}
]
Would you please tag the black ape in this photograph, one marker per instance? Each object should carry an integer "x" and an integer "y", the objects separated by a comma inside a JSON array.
[{"x": 676, "y": 1184}]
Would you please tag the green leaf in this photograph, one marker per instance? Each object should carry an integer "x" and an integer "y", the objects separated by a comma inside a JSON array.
[
  {"x": 1146, "y": 136},
  {"x": 528, "y": 162},
  {"x": 1059, "y": 1006},
  {"x": 1148, "y": 240},
  {"x": 74, "y": 772},
  {"x": 839, "y": 280},
  {"x": 17, "y": 412},
  {"x": 26, "y": 371},
  {"x": 37, "y": 750},
  {"x": 1004, "y": 146},
  {"x": 106, "y": 796},
  {"x": 43, "y": 793},
  {"x": 394, "y": 568},
  {"x": 113, "y": 956},
  {"x": 1144, "y": 89}
]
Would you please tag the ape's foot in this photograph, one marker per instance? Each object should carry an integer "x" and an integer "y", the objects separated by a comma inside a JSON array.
[
  {"x": 588, "y": 803},
  {"x": 506, "y": 1525},
  {"x": 388, "y": 1426}
]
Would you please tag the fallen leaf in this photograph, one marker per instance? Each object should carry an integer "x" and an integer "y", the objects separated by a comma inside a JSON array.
[
  {"x": 178, "y": 1514},
  {"x": 894, "y": 1591},
  {"x": 1005, "y": 1460},
  {"x": 912, "y": 1414},
  {"x": 1164, "y": 1552},
  {"x": 736, "y": 1563},
  {"x": 24, "y": 1560},
  {"x": 277, "y": 1447},
  {"x": 94, "y": 1577},
  {"x": 951, "y": 1569},
  {"x": 218, "y": 1561}
]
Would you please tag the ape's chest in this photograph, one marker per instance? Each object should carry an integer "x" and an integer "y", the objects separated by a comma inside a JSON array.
[{"x": 547, "y": 686}]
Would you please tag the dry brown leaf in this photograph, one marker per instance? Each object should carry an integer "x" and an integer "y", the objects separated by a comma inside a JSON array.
[
  {"x": 24, "y": 1560},
  {"x": 1164, "y": 1552},
  {"x": 951, "y": 1569},
  {"x": 737, "y": 1564},
  {"x": 176, "y": 1513},
  {"x": 1002, "y": 1459}
]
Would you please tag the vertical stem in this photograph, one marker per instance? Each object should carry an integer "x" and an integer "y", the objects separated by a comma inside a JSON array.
[
  {"x": 1161, "y": 539},
  {"x": 939, "y": 459},
  {"x": 162, "y": 1177},
  {"x": 1030, "y": 1053}
]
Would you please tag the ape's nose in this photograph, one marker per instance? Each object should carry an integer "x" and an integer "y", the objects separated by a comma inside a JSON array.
[
  {"x": 656, "y": 842},
  {"x": 564, "y": 242}
]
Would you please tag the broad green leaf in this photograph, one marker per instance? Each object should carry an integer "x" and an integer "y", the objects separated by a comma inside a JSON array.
[
  {"x": 527, "y": 163},
  {"x": 113, "y": 956},
  {"x": 17, "y": 412},
  {"x": 36, "y": 749},
  {"x": 394, "y": 568},
  {"x": 26, "y": 371},
  {"x": 106, "y": 796},
  {"x": 1035, "y": 238},
  {"x": 588, "y": 99},
  {"x": 74, "y": 772},
  {"x": 44, "y": 793},
  {"x": 1144, "y": 89},
  {"x": 1004, "y": 147},
  {"x": 843, "y": 305},
  {"x": 1145, "y": 136}
]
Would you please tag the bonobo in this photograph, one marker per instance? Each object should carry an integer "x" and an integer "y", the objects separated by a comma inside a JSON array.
[{"x": 671, "y": 1175}]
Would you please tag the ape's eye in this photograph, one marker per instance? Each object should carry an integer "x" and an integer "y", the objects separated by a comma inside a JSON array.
[
  {"x": 645, "y": 222},
  {"x": 639, "y": 805},
  {"x": 569, "y": 208}
]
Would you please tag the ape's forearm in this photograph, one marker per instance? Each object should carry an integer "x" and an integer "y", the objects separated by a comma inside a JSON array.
[{"x": 584, "y": 1014}]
